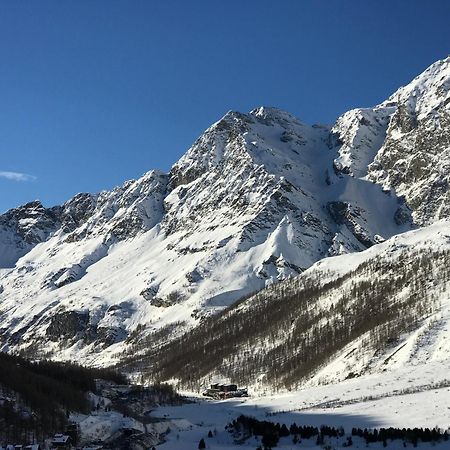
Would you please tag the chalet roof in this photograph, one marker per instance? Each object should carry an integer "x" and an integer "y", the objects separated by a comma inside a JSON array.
[{"x": 60, "y": 439}]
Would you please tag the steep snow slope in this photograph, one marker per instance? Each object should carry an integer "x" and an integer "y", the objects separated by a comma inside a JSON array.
[
  {"x": 360, "y": 134},
  {"x": 426, "y": 339},
  {"x": 258, "y": 198}
]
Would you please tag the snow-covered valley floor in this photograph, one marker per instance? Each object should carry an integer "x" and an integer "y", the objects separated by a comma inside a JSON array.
[{"x": 375, "y": 401}]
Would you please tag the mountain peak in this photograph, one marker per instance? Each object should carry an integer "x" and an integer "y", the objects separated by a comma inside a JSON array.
[
  {"x": 427, "y": 91},
  {"x": 271, "y": 113}
]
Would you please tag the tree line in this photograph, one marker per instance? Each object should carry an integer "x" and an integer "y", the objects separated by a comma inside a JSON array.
[{"x": 270, "y": 433}]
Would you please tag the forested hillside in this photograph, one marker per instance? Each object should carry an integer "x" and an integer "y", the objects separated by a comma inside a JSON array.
[
  {"x": 352, "y": 314},
  {"x": 35, "y": 398}
]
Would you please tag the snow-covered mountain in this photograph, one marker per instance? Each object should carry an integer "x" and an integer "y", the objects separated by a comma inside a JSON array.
[
  {"x": 258, "y": 198},
  {"x": 404, "y": 143}
]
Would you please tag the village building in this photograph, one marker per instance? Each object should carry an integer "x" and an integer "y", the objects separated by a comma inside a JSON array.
[
  {"x": 222, "y": 391},
  {"x": 62, "y": 441}
]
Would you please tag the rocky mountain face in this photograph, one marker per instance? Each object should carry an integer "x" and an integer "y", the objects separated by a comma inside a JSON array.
[
  {"x": 404, "y": 143},
  {"x": 258, "y": 198},
  {"x": 24, "y": 227}
]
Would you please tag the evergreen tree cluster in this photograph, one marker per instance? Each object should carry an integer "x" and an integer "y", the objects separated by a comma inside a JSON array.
[
  {"x": 412, "y": 435},
  {"x": 271, "y": 432}
]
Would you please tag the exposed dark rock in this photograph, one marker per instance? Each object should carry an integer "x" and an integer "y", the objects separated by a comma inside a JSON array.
[
  {"x": 150, "y": 292},
  {"x": 171, "y": 299},
  {"x": 402, "y": 215},
  {"x": 404, "y": 118},
  {"x": 77, "y": 211},
  {"x": 195, "y": 276},
  {"x": 339, "y": 211},
  {"x": 68, "y": 325},
  {"x": 286, "y": 136},
  {"x": 109, "y": 336},
  {"x": 344, "y": 214}
]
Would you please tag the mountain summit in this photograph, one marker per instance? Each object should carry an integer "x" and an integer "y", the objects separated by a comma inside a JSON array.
[{"x": 258, "y": 198}]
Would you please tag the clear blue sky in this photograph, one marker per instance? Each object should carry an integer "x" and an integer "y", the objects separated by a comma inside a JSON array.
[{"x": 94, "y": 92}]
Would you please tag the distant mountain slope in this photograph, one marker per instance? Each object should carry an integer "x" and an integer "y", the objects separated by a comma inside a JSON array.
[
  {"x": 385, "y": 308},
  {"x": 258, "y": 198}
]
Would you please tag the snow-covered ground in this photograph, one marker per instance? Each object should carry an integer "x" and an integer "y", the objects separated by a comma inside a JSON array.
[
  {"x": 429, "y": 407},
  {"x": 102, "y": 425}
]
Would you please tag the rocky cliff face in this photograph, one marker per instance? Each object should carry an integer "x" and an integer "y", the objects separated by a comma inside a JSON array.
[
  {"x": 415, "y": 156},
  {"x": 23, "y": 227},
  {"x": 404, "y": 143},
  {"x": 258, "y": 198}
]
